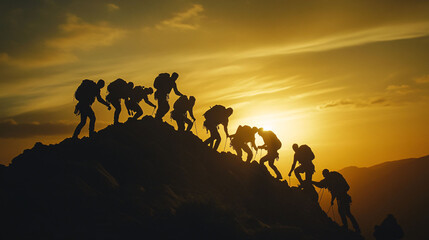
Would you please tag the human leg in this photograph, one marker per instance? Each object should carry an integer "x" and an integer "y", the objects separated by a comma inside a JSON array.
[
  {"x": 297, "y": 172},
  {"x": 83, "y": 116},
  {"x": 163, "y": 108},
  {"x": 236, "y": 146},
  {"x": 91, "y": 116},
  {"x": 189, "y": 122},
  {"x": 349, "y": 214},
  {"x": 138, "y": 111},
  {"x": 249, "y": 152},
  {"x": 342, "y": 212},
  {"x": 309, "y": 175},
  {"x": 216, "y": 138},
  {"x": 116, "y": 103},
  {"x": 209, "y": 141},
  {"x": 180, "y": 124},
  {"x": 271, "y": 163}
]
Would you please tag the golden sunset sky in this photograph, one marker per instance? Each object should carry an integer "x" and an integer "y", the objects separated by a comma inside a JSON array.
[{"x": 348, "y": 78}]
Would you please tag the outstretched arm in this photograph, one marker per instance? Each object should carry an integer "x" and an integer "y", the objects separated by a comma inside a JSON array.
[
  {"x": 146, "y": 100},
  {"x": 320, "y": 184},
  {"x": 176, "y": 91},
  {"x": 102, "y": 101}
]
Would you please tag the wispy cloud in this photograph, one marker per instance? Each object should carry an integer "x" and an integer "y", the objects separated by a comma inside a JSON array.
[
  {"x": 400, "y": 89},
  {"x": 316, "y": 92},
  {"x": 187, "y": 20},
  {"x": 357, "y": 103},
  {"x": 380, "y": 34},
  {"x": 74, "y": 35},
  {"x": 80, "y": 35}
]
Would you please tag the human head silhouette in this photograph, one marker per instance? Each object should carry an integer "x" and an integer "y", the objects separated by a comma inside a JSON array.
[
  {"x": 295, "y": 147},
  {"x": 229, "y": 111},
  {"x": 192, "y": 100},
  {"x": 260, "y": 131},
  {"x": 101, "y": 83},
  {"x": 130, "y": 85},
  {"x": 325, "y": 172},
  {"x": 174, "y": 76}
]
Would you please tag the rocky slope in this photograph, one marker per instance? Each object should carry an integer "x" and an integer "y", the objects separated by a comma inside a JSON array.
[{"x": 145, "y": 180}]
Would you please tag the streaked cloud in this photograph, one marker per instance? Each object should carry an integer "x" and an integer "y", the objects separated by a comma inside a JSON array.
[
  {"x": 357, "y": 103},
  {"x": 316, "y": 92},
  {"x": 187, "y": 20},
  {"x": 378, "y": 34},
  {"x": 79, "y": 35},
  {"x": 400, "y": 89}
]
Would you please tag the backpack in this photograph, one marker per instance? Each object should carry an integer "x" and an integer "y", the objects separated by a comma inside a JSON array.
[
  {"x": 306, "y": 153},
  {"x": 181, "y": 102},
  {"x": 85, "y": 91},
  {"x": 244, "y": 132},
  {"x": 275, "y": 142},
  {"x": 339, "y": 182},
  {"x": 162, "y": 81},
  {"x": 216, "y": 113},
  {"x": 138, "y": 93},
  {"x": 117, "y": 87}
]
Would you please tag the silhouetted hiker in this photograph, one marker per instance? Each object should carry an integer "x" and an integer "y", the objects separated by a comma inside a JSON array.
[
  {"x": 239, "y": 140},
  {"x": 388, "y": 230},
  {"x": 304, "y": 156},
  {"x": 118, "y": 89},
  {"x": 338, "y": 187},
  {"x": 181, "y": 107},
  {"x": 163, "y": 84},
  {"x": 86, "y": 94},
  {"x": 132, "y": 103},
  {"x": 215, "y": 116},
  {"x": 272, "y": 144}
]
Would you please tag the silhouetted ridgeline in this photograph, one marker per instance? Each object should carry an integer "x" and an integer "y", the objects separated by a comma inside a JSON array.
[
  {"x": 396, "y": 187},
  {"x": 144, "y": 180}
]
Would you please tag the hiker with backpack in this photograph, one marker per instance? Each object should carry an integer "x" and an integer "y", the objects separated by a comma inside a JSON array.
[
  {"x": 132, "y": 103},
  {"x": 86, "y": 93},
  {"x": 338, "y": 187},
  {"x": 240, "y": 139},
  {"x": 272, "y": 144},
  {"x": 304, "y": 155},
  {"x": 163, "y": 84},
  {"x": 118, "y": 89},
  {"x": 216, "y": 115},
  {"x": 181, "y": 107}
]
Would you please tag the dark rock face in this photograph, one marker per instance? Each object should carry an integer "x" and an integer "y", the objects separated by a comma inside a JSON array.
[{"x": 144, "y": 180}]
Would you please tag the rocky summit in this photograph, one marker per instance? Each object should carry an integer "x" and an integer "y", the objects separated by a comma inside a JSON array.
[{"x": 144, "y": 180}]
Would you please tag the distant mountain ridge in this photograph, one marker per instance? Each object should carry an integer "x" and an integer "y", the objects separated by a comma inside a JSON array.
[
  {"x": 145, "y": 180},
  {"x": 398, "y": 187}
]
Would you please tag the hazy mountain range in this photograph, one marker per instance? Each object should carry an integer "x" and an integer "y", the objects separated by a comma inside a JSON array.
[{"x": 396, "y": 187}]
